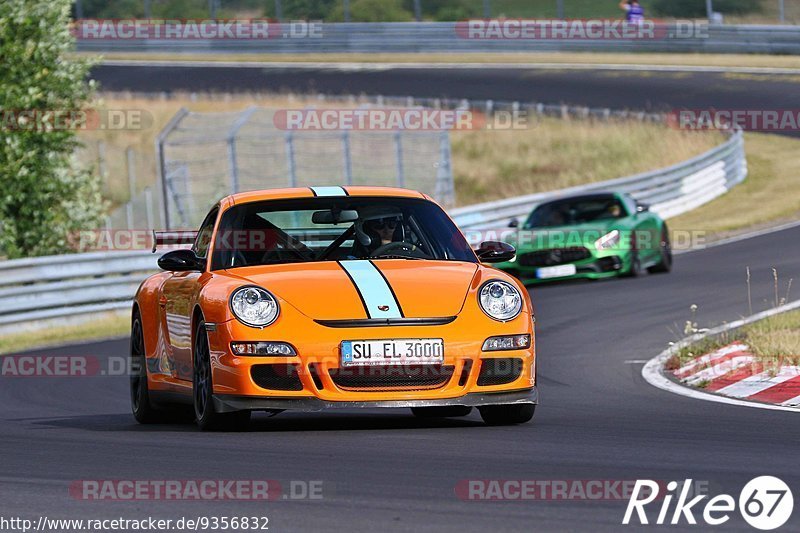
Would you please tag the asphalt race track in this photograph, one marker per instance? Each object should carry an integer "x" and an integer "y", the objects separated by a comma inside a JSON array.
[
  {"x": 389, "y": 471},
  {"x": 618, "y": 89}
]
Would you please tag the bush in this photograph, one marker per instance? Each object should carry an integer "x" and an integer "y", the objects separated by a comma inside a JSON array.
[
  {"x": 44, "y": 197},
  {"x": 373, "y": 11},
  {"x": 697, "y": 8}
]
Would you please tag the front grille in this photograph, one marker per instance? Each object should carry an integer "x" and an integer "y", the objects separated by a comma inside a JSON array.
[
  {"x": 553, "y": 257},
  {"x": 382, "y": 378},
  {"x": 276, "y": 377},
  {"x": 499, "y": 371}
]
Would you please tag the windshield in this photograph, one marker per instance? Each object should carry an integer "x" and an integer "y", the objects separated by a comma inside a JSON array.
[
  {"x": 333, "y": 229},
  {"x": 575, "y": 211}
]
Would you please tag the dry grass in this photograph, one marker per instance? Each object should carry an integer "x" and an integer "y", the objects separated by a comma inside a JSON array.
[
  {"x": 554, "y": 58},
  {"x": 767, "y": 197},
  {"x": 105, "y": 327},
  {"x": 555, "y": 153},
  {"x": 550, "y": 154}
]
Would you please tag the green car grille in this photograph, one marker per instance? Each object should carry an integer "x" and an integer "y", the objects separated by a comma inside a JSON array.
[{"x": 553, "y": 257}]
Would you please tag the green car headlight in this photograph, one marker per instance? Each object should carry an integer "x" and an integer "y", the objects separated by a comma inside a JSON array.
[{"x": 608, "y": 241}]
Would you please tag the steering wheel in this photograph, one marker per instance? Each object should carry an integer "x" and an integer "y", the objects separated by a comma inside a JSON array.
[{"x": 397, "y": 246}]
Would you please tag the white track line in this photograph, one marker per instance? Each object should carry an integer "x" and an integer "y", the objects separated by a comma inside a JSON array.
[
  {"x": 653, "y": 371},
  {"x": 353, "y": 65}
]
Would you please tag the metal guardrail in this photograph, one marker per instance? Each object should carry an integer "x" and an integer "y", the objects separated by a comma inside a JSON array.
[
  {"x": 66, "y": 287},
  {"x": 669, "y": 191},
  {"x": 448, "y": 37}
]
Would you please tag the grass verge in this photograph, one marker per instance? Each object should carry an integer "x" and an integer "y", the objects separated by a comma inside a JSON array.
[
  {"x": 767, "y": 197},
  {"x": 775, "y": 341},
  {"x": 114, "y": 325}
]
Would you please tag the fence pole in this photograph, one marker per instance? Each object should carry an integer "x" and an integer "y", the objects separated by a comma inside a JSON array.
[
  {"x": 346, "y": 10},
  {"x": 348, "y": 162},
  {"x": 710, "y": 10},
  {"x": 278, "y": 11},
  {"x": 560, "y": 9},
  {"x": 147, "y": 12},
  {"x": 162, "y": 162},
  {"x": 129, "y": 157},
  {"x": 290, "y": 160},
  {"x": 487, "y": 9},
  {"x": 782, "y": 11},
  {"x": 234, "y": 166},
  {"x": 129, "y": 215},
  {"x": 148, "y": 207},
  {"x": 398, "y": 151},
  {"x": 101, "y": 160},
  {"x": 444, "y": 174},
  {"x": 418, "y": 10}
]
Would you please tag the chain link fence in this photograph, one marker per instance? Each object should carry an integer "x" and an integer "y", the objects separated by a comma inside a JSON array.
[{"x": 205, "y": 156}]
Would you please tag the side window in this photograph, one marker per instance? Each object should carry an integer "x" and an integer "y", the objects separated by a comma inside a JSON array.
[{"x": 203, "y": 240}]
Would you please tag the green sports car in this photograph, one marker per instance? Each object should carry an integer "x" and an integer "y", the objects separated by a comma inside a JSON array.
[{"x": 590, "y": 236}]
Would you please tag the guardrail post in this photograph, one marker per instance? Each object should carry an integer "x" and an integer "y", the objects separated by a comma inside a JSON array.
[
  {"x": 234, "y": 166},
  {"x": 129, "y": 215}
]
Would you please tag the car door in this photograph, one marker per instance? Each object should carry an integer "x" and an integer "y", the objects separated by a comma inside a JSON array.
[
  {"x": 646, "y": 226},
  {"x": 178, "y": 294}
]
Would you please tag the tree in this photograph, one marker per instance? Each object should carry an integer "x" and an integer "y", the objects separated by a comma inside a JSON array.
[{"x": 44, "y": 196}]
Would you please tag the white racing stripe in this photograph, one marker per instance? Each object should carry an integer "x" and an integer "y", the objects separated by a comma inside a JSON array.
[
  {"x": 377, "y": 295},
  {"x": 328, "y": 191},
  {"x": 709, "y": 374},
  {"x": 713, "y": 356}
]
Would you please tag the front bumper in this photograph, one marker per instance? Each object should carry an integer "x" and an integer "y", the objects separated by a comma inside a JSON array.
[
  {"x": 225, "y": 403},
  {"x": 598, "y": 266}
]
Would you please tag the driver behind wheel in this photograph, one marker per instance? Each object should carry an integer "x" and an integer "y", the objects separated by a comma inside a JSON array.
[{"x": 386, "y": 230}]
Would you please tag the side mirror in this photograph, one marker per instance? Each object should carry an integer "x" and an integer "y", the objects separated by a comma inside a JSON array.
[
  {"x": 642, "y": 208},
  {"x": 513, "y": 223},
  {"x": 495, "y": 252},
  {"x": 181, "y": 261}
]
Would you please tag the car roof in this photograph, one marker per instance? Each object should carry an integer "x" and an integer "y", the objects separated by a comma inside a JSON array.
[
  {"x": 580, "y": 197},
  {"x": 308, "y": 192}
]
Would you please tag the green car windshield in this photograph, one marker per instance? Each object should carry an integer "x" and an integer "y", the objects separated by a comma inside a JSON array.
[{"x": 575, "y": 211}]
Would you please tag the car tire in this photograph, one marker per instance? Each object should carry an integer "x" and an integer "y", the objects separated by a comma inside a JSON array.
[
  {"x": 449, "y": 411},
  {"x": 635, "y": 270},
  {"x": 507, "y": 415},
  {"x": 666, "y": 254},
  {"x": 206, "y": 415},
  {"x": 143, "y": 410}
]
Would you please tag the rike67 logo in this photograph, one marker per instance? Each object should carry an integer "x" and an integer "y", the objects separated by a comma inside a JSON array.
[{"x": 765, "y": 503}]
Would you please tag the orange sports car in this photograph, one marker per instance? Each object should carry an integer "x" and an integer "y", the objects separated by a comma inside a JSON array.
[{"x": 332, "y": 297}]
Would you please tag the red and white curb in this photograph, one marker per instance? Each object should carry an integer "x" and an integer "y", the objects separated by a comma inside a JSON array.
[
  {"x": 735, "y": 372},
  {"x": 730, "y": 374}
]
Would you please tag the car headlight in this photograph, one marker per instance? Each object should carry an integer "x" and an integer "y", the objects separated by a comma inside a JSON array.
[
  {"x": 254, "y": 306},
  {"x": 500, "y": 300},
  {"x": 607, "y": 241}
]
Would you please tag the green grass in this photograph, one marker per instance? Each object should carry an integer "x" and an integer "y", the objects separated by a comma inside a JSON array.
[
  {"x": 775, "y": 341},
  {"x": 106, "y": 327}
]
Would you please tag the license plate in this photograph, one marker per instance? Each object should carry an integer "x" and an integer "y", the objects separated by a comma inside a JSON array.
[
  {"x": 559, "y": 271},
  {"x": 393, "y": 352}
]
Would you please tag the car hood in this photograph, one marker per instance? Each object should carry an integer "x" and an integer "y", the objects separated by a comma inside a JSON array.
[
  {"x": 562, "y": 236},
  {"x": 345, "y": 290}
]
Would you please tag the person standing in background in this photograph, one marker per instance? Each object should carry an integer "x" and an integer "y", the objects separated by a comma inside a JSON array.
[{"x": 634, "y": 12}]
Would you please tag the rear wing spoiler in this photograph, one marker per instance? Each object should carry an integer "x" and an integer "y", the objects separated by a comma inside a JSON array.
[{"x": 173, "y": 238}]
